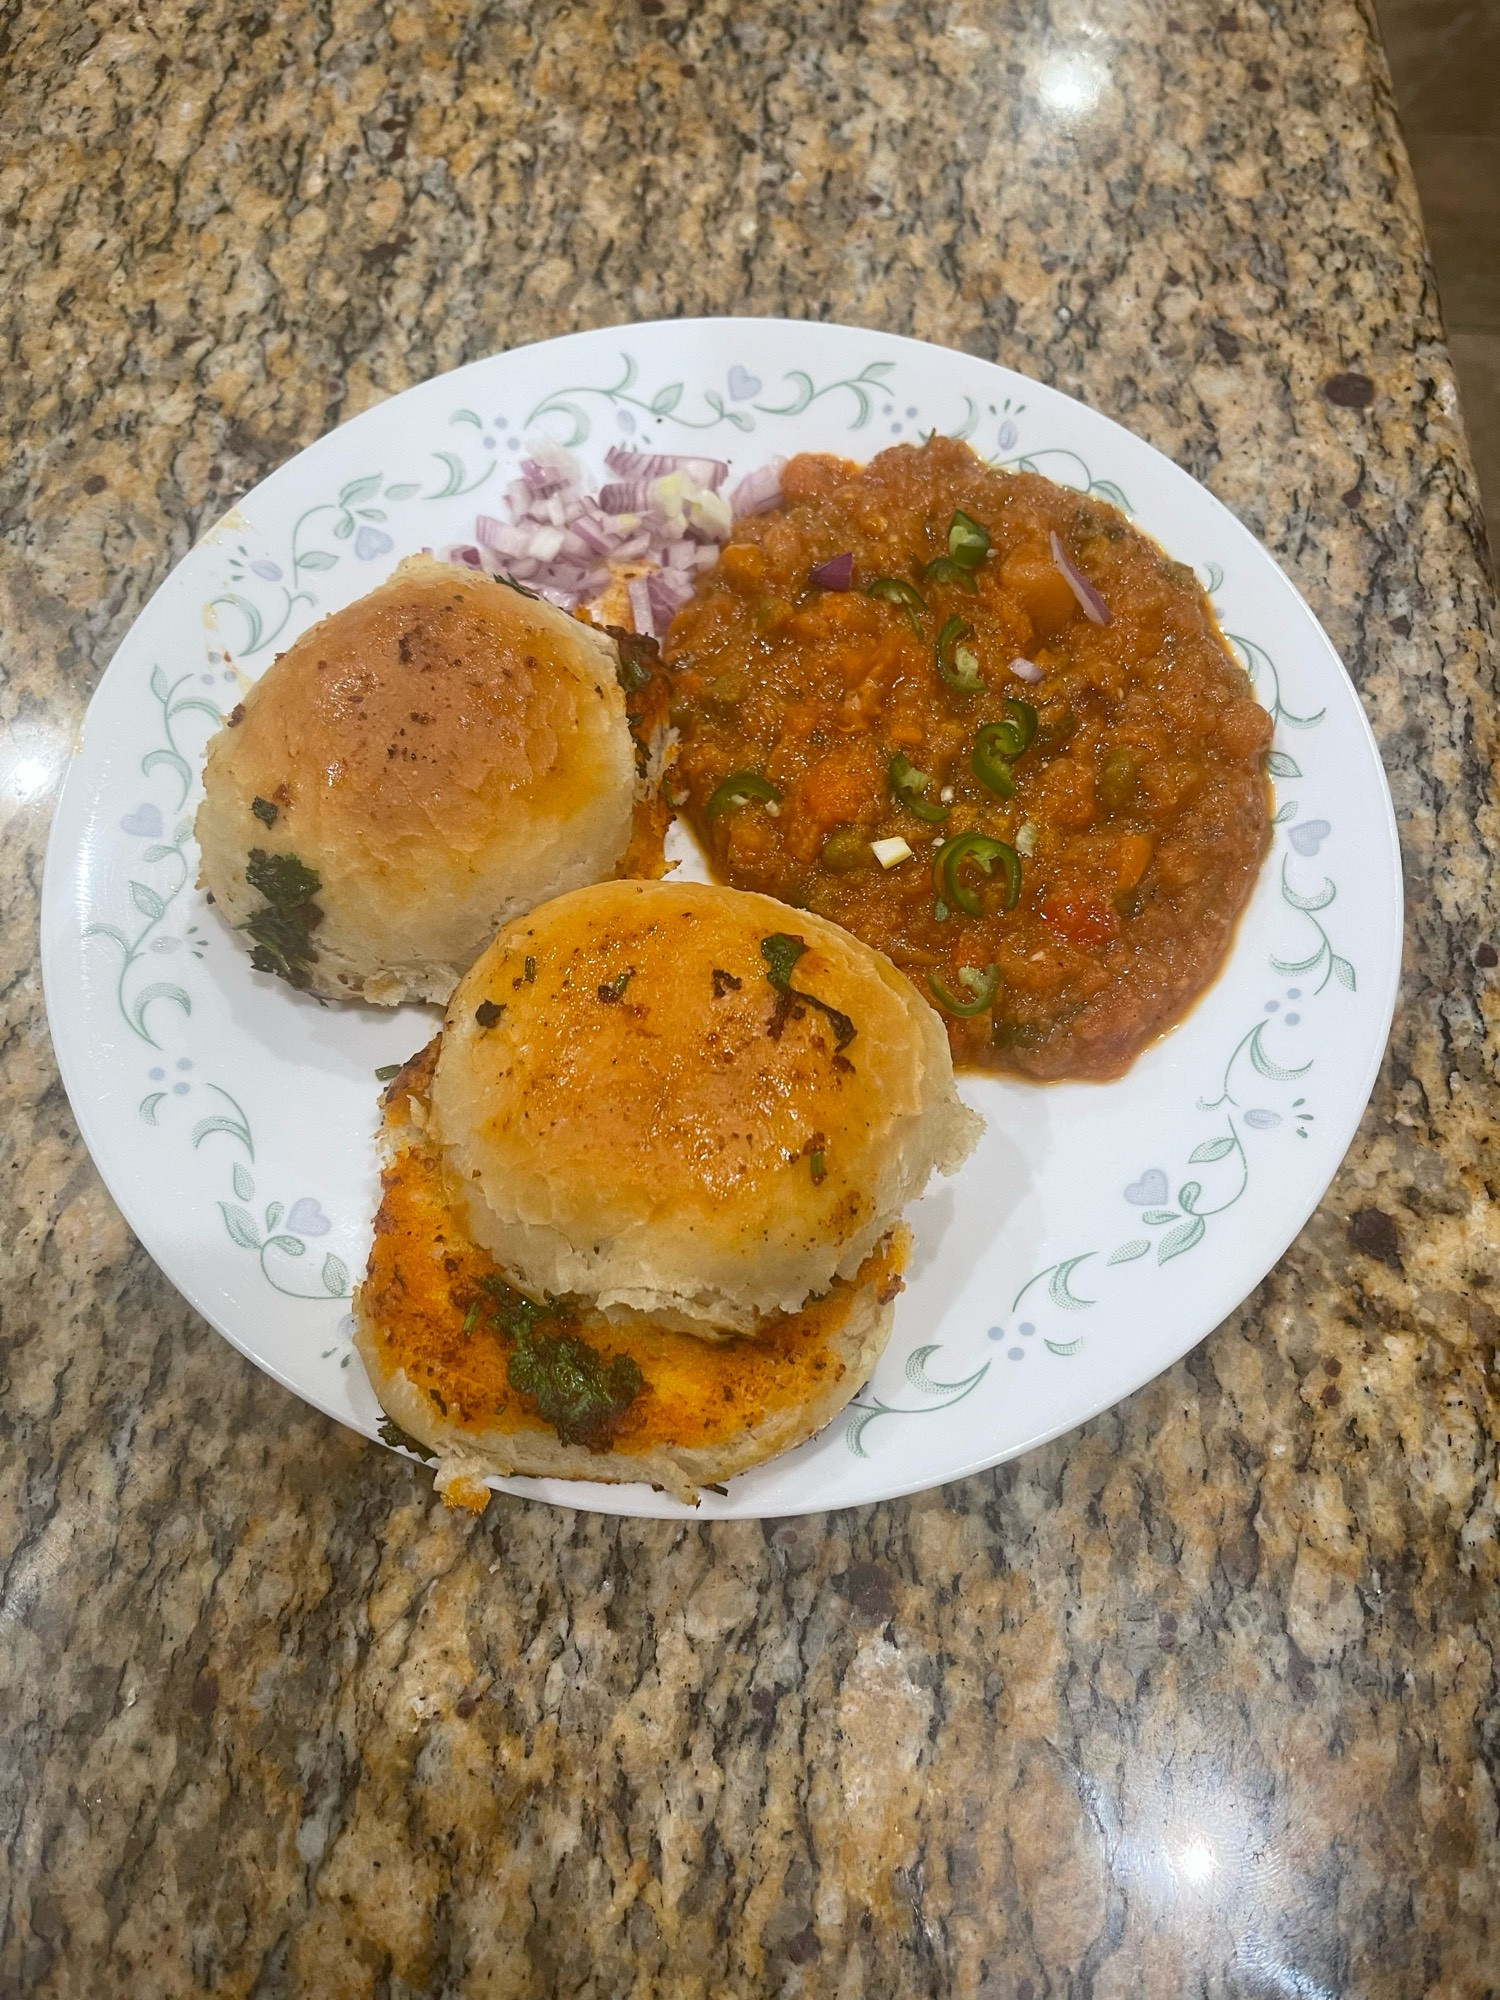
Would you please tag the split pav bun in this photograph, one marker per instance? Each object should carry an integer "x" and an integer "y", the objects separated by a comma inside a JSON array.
[
  {"x": 415, "y": 771},
  {"x": 487, "y": 1384},
  {"x": 689, "y": 1103}
]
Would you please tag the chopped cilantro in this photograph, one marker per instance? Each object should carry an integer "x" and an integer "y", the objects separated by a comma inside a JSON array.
[
  {"x": 488, "y": 1012},
  {"x": 575, "y": 1389},
  {"x": 283, "y": 929},
  {"x": 725, "y": 982},
  {"x": 386, "y": 1071},
  {"x": 819, "y": 1165},
  {"x": 391, "y": 1433},
  {"x": 264, "y": 811},
  {"x": 530, "y": 970},
  {"x": 781, "y": 952},
  {"x": 614, "y": 991}
]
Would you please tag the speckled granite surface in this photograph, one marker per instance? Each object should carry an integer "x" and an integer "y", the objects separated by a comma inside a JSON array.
[{"x": 1199, "y": 1700}]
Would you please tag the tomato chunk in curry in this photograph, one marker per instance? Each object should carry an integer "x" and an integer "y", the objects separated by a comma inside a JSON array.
[{"x": 1083, "y": 832}]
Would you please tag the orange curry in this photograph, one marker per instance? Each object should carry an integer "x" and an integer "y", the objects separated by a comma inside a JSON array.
[{"x": 1005, "y": 678}]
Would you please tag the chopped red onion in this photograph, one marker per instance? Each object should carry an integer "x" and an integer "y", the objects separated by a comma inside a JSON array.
[
  {"x": 1093, "y": 604},
  {"x": 1026, "y": 670},
  {"x": 662, "y": 511},
  {"x": 758, "y": 490},
  {"x": 643, "y": 465},
  {"x": 835, "y": 574}
]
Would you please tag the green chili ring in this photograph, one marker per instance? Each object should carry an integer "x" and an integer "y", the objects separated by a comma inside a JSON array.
[
  {"x": 899, "y": 591},
  {"x": 957, "y": 665},
  {"x": 968, "y": 542},
  {"x": 908, "y": 785},
  {"x": 943, "y": 569},
  {"x": 984, "y": 851},
  {"x": 983, "y": 986},
  {"x": 991, "y": 769},
  {"x": 740, "y": 788}
]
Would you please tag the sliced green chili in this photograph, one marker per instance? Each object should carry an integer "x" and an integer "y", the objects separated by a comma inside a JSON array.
[
  {"x": 990, "y": 769},
  {"x": 968, "y": 543},
  {"x": 909, "y": 786},
  {"x": 899, "y": 591},
  {"x": 943, "y": 569},
  {"x": 982, "y": 987},
  {"x": 958, "y": 666},
  {"x": 739, "y": 789},
  {"x": 984, "y": 851},
  {"x": 1015, "y": 736}
]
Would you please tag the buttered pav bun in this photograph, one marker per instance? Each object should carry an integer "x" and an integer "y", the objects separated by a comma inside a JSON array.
[
  {"x": 689, "y": 1102},
  {"x": 416, "y": 770}
]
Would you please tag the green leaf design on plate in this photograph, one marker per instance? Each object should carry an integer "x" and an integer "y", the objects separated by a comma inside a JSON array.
[
  {"x": 1288, "y": 811},
  {"x": 463, "y": 417},
  {"x": 1270, "y": 1069},
  {"x": 1187, "y": 1195},
  {"x": 666, "y": 400},
  {"x": 1281, "y": 766},
  {"x": 1211, "y": 1149},
  {"x": 240, "y": 1225},
  {"x": 273, "y": 1215},
  {"x": 292, "y": 1245},
  {"x": 149, "y": 1104},
  {"x": 1058, "y": 1287},
  {"x": 359, "y": 489},
  {"x": 1065, "y": 1347},
  {"x": 147, "y": 995},
  {"x": 405, "y": 491},
  {"x": 147, "y": 901},
  {"x": 1343, "y": 972},
  {"x": 1183, "y": 1237},
  {"x": 316, "y": 559},
  {"x": 1128, "y": 1252},
  {"x": 1318, "y": 900},
  {"x": 173, "y": 761},
  {"x": 335, "y": 1276},
  {"x": 244, "y": 1187},
  {"x": 1153, "y": 1216}
]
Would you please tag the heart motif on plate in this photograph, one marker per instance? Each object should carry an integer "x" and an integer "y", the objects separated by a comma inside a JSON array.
[
  {"x": 742, "y": 384},
  {"x": 1309, "y": 837},
  {"x": 144, "y": 821},
  {"x": 1150, "y": 1191},
  {"x": 306, "y": 1218},
  {"x": 370, "y": 542}
]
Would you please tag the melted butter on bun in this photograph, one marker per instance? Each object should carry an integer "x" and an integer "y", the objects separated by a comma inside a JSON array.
[
  {"x": 632, "y": 1111},
  {"x": 441, "y": 755}
]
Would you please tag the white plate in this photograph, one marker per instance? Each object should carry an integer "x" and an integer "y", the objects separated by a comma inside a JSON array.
[{"x": 1098, "y": 1233}]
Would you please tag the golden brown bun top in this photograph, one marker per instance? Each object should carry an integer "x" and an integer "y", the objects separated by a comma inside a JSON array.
[
  {"x": 423, "y": 706},
  {"x": 649, "y": 1120}
]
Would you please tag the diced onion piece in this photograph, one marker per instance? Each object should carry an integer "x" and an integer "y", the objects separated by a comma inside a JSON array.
[
  {"x": 758, "y": 490},
  {"x": 890, "y": 853},
  {"x": 835, "y": 574},
  {"x": 1026, "y": 670},
  {"x": 1092, "y": 603},
  {"x": 1026, "y": 838}
]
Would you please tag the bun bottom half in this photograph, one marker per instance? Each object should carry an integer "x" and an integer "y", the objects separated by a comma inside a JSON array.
[{"x": 707, "y": 1410}]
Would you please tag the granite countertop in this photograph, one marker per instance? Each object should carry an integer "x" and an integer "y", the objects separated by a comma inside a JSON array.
[{"x": 1201, "y": 1698}]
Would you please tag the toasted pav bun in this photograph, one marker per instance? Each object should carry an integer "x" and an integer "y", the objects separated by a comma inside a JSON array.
[
  {"x": 434, "y": 760},
  {"x": 429, "y": 1327},
  {"x": 689, "y": 1102}
]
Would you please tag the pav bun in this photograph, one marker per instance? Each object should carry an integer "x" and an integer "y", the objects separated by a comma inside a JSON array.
[
  {"x": 689, "y": 1103},
  {"x": 440, "y": 1350},
  {"x": 436, "y": 759}
]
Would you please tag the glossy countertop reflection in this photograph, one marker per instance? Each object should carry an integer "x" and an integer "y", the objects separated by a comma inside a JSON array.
[{"x": 1200, "y": 1699}]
